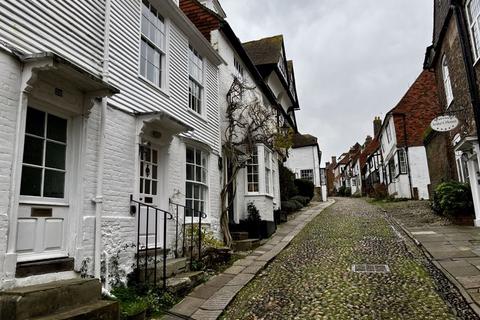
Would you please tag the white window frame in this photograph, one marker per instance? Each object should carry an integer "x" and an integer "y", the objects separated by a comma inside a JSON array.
[
  {"x": 251, "y": 164},
  {"x": 203, "y": 184},
  {"x": 389, "y": 133},
  {"x": 402, "y": 160},
  {"x": 473, "y": 20},
  {"x": 196, "y": 81},
  {"x": 159, "y": 48},
  {"x": 68, "y": 144},
  {"x": 268, "y": 171},
  {"x": 447, "y": 83},
  {"x": 240, "y": 71},
  {"x": 307, "y": 174}
]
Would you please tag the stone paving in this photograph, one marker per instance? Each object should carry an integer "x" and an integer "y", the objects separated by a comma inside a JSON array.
[
  {"x": 454, "y": 249},
  {"x": 209, "y": 300},
  {"x": 313, "y": 279}
]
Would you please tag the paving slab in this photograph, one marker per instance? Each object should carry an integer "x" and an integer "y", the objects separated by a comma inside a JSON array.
[
  {"x": 206, "y": 314},
  {"x": 188, "y": 306},
  {"x": 234, "y": 270}
]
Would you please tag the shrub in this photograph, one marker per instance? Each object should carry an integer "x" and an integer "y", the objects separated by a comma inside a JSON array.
[
  {"x": 379, "y": 191},
  {"x": 453, "y": 199},
  {"x": 303, "y": 200},
  {"x": 289, "y": 206},
  {"x": 288, "y": 188},
  {"x": 298, "y": 204},
  {"x": 305, "y": 188}
]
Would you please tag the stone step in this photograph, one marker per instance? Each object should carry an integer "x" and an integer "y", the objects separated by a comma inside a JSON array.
[
  {"x": 98, "y": 310},
  {"x": 236, "y": 236},
  {"x": 45, "y": 299},
  {"x": 184, "y": 282},
  {"x": 31, "y": 268},
  {"x": 174, "y": 267},
  {"x": 245, "y": 245}
]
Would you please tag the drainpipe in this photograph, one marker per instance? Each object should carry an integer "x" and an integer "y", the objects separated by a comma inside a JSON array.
[{"x": 101, "y": 148}]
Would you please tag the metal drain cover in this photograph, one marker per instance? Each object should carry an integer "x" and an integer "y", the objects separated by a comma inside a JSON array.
[{"x": 370, "y": 268}]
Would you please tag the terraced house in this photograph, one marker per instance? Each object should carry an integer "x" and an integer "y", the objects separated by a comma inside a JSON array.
[{"x": 109, "y": 121}]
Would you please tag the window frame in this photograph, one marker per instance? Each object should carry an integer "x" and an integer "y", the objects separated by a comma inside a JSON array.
[
  {"x": 162, "y": 79},
  {"x": 473, "y": 28},
  {"x": 250, "y": 164},
  {"x": 402, "y": 163},
  {"x": 69, "y": 145},
  {"x": 199, "y": 83},
  {"x": 203, "y": 185},
  {"x": 447, "y": 81},
  {"x": 302, "y": 176}
]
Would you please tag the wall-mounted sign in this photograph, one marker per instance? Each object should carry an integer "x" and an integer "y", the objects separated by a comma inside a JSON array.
[{"x": 445, "y": 123}]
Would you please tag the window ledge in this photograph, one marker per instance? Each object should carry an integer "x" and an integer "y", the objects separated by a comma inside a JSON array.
[
  {"x": 153, "y": 86},
  {"x": 197, "y": 115},
  {"x": 43, "y": 202}
]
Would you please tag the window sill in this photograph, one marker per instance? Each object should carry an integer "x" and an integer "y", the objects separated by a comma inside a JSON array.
[
  {"x": 258, "y": 194},
  {"x": 44, "y": 202},
  {"x": 197, "y": 115},
  {"x": 152, "y": 85}
]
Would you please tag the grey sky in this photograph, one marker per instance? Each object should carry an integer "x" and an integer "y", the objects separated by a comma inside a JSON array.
[{"x": 353, "y": 59}]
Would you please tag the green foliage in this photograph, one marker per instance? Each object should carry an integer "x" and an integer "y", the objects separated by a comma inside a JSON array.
[
  {"x": 305, "y": 188},
  {"x": 287, "y": 183},
  {"x": 303, "y": 200},
  {"x": 297, "y": 203},
  {"x": 291, "y": 206},
  {"x": 253, "y": 214},
  {"x": 208, "y": 238},
  {"x": 134, "y": 301},
  {"x": 453, "y": 199},
  {"x": 344, "y": 191}
]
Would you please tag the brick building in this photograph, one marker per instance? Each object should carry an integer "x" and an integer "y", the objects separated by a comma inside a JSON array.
[{"x": 453, "y": 56}]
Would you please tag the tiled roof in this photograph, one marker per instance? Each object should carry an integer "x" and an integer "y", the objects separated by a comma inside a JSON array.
[
  {"x": 304, "y": 140},
  {"x": 265, "y": 51},
  {"x": 419, "y": 106}
]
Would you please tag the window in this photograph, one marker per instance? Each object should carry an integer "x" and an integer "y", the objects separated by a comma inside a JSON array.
[
  {"x": 148, "y": 173},
  {"x": 44, "y": 155},
  {"x": 238, "y": 68},
  {"x": 282, "y": 66},
  {"x": 196, "y": 81},
  {"x": 268, "y": 170},
  {"x": 391, "y": 171},
  {"x": 389, "y": 133},
  {"x": 196, "y": 184},
  {"x": 402, "y": 160},
  {"x": 152, "y": 44},
  {"x": 447, "y": 84},
  {"x": 252, "y": 172},
  {"x": 306, "y": 174},
  {"x": 473, "y": 16}
]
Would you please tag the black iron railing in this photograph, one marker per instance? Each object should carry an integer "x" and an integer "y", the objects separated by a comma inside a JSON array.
[
  {"x": 187, "y": 216},
  {"x": 143, "y": 212}
]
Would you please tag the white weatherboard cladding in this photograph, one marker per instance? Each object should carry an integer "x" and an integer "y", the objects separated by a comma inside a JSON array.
[
  {"x": 417, "y": 157},
  {"x": 137, "y": 95},
  {"x": 388, "y": 148},
  {"x": 73, "y": 29}
]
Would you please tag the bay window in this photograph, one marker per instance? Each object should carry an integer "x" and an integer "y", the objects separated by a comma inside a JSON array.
[
  {"x": 152, "y": 44},
  {"x": 268, "y": 170},
  {"x": 252, "y": 172},
  {"x": 44, "y": 155},
  {"x": 196, "y": 181}
]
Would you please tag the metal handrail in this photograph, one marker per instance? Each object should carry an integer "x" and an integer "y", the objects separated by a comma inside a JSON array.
[
  {"x": 166, "y": 216},
  {"x": 200, "y": 215}
]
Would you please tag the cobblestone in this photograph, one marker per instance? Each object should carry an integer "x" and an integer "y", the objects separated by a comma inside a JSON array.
[{"x": 312, "y": 278}]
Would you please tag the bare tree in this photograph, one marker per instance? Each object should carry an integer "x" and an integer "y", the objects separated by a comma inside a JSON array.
[{"x": 248, "y": 122}]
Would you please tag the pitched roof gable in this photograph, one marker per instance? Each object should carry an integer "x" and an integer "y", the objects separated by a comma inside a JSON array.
[
  {"x": 265, "y": 51},
  {"x": 304, "y": 140}
]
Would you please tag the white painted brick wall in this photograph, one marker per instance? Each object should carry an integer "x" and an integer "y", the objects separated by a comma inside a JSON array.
[
  {"x": 304, "y": 159},
  {"x": 9, "y": 99}
]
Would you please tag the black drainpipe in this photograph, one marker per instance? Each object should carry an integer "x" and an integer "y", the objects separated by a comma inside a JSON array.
[{"x": 468, "y": 61}]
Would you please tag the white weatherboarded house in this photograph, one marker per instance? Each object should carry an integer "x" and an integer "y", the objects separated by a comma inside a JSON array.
[{"x": 100, "y": 101}]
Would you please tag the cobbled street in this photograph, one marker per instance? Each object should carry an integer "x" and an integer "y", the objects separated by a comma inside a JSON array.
[{"x": 313, "y": 277}]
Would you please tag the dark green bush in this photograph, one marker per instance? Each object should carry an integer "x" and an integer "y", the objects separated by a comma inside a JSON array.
[
  {"x": 453, "y": 199},
  {"x": 303, "y": 200},
  {"x": 298, "y": 204},
  {"x": 289, "y": 206},
  {"x": 288, "y": 188},
  {"x": 305, "y": 188},
  {"x": 344, "y": 191}
]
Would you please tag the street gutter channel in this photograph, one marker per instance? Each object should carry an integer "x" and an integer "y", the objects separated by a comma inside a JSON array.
[{"x": 448, "y": 287}]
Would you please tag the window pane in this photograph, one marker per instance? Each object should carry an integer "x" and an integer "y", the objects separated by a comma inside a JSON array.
[
  {"x": 31, "y": 181},
  {"x": 196, "y": 192},
  {"x": 190, "y": 156},
  {"x": 53, "y": 186},
  {"x": 147, "y": 186},
  {"x": 190, "y": 172},
  {"x": 154, "y": 156},
  {"x": 189, "y": 190},
  {"x": 141, "y": 185},
  {"x": 198, "y": 174},
  {"x": 55, "y": 155},
  {"x": 35, "y": 122},
  {"x": 154, "y": 172},
  {"x": 57, "y": 128},
  {"x": 198, "y": 157},
  {"x": 33, "y": 151},
  {"x": 154, "y": 188}
]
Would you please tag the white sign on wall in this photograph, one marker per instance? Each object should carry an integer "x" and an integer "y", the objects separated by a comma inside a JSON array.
[{"x": 445, "y": 123}]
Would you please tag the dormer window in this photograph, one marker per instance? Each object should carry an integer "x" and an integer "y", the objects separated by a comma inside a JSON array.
[{"x": 152, "y": 45}]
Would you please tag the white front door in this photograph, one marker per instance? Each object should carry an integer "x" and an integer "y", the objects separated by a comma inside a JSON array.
[
  {"x": 43, "y": 209},
  {"x": 151, "y": 220}
]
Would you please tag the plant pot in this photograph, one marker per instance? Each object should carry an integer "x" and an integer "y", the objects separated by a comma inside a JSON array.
[{"x": 139, "y": 316}]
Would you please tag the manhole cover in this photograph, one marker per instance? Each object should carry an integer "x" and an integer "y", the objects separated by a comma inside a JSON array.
[{"x": 370, "y": 268}]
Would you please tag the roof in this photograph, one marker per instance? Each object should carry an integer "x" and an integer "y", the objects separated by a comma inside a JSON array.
[
  {"x": 265, "y": 51},
  {"x": 416, "y": 110},
  {"x": 304, "y": 140},
  {"x": 368, "y": 151}
]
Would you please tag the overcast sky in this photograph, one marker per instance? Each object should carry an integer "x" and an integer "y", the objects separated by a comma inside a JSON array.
[{"x": 353, "y": 59}]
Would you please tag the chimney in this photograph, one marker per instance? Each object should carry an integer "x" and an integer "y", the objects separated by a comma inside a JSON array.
[
  {"x": 377, "y": 125},
  {"x": 368, "y": 139},
  {"x": 334, "y": 160}
]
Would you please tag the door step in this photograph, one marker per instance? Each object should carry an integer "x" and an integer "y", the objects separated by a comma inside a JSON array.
[
  {"x": 174, "y": 267},
  {"x": 59, "y": 297},
  {"x": 34, "y": 268},
  {"x": 184, "y": 282},
  {"x": 101, "y": 310},
  {"x": 236, "y": 236}
]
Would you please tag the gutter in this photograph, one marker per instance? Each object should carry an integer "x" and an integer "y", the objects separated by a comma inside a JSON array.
[{"x": 101, "y": 149}]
